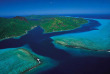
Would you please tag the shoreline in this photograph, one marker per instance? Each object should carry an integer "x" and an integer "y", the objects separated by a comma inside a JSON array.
[
  {"x": 101, "y": 34},
  {"x": 37, "y": 60},
  {"x": 39, "y": 63},
  {"x": 65, "y": 30},
  {"x": 17, "y": 37},
  {"x": 26, "y": 51},
  {"x": 82, "y": 52},
  {"x": 70, "y": 46}
]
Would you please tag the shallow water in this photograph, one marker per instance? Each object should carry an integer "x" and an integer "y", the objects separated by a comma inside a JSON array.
[
  {"x": 68, "y": 64},
  {"x": 93, "y": 40},
  {"x": 22, "y": 59}
]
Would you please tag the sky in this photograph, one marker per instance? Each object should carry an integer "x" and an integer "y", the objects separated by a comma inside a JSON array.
[{"x": 47, "y": 7}]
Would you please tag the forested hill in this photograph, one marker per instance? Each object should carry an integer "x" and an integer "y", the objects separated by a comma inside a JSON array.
[
  {"x": 18, "y": 26},
  {"x": 61, "y": 23},
  {"x": 53, "y": 23},
  {"x": 14, "y": 27}
]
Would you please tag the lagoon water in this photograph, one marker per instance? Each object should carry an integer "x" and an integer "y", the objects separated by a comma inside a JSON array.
[
  {"x": 71, "y": 61},
  {"x": 92, "y": 40}
]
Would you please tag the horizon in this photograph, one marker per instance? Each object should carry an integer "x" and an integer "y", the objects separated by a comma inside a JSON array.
[
  {"x": 53, "y": 7},
  {"x": 52, "y": 14}
]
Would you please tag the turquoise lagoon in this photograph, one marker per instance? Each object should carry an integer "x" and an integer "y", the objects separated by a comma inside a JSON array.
[
  {"x": 23, "y": 60},
  {"x": 93, "y": 43},
  {"x": 71, "y": 59}
]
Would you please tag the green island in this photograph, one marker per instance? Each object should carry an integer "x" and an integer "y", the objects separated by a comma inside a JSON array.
[{"x": 18, "y": 26}]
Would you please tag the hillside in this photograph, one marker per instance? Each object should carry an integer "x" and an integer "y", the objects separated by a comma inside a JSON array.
[
  {"x": 61, "y": 23},
  {"x": 18, "y": 26},
  {"x": 14, "y": 27}
]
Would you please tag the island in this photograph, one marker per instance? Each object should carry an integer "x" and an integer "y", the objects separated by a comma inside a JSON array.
[{"x": 18, "y": 26}]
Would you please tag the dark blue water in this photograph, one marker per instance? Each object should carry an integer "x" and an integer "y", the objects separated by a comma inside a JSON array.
[
  {"x": 36, "y": 35},
  {"x": 41, "y": 44}
]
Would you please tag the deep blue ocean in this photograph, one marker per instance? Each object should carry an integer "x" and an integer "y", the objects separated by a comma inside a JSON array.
[{"x": 42, "y": 44}]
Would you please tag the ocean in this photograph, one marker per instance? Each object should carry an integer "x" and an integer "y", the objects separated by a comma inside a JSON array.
[{"x": 41, "y": 44}]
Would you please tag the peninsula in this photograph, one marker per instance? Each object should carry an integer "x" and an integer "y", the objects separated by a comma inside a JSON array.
[
  {"x": 18, "y": 26},
  {"x": 14, "y": 27},
  {"x": 57, "y": 23}
]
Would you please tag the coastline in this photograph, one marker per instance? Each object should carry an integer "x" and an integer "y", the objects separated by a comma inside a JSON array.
[
  {"x": 62, "y": 30},
  {"x": 15, "y": 57},
  {"x": 17, "y": 37},
  {"x": 66, "y": 30},
  {"x": 46, "y": 63},
  {"x": 32, "y": 63},
  {"x": 96, "y": 40},
  {"x": 78, "y": 52},
  {"x": 37, "y": 60}
]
